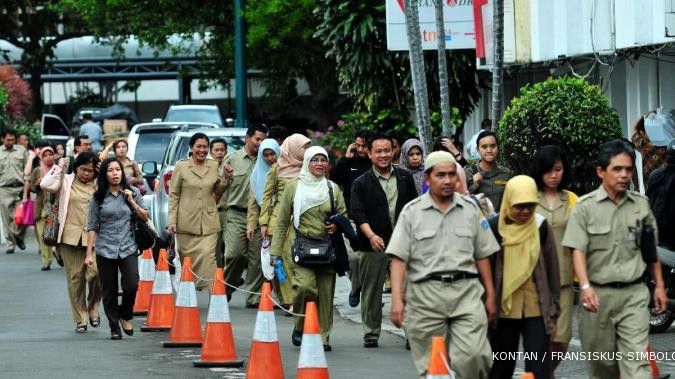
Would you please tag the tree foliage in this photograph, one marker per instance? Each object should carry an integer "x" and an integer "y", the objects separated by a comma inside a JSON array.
[
  {"x": 354, "y": 34},
  {"x": 568, "y": 112},
  {"x": 4, "y": 99},
  {"x": 37, "y": 26}
]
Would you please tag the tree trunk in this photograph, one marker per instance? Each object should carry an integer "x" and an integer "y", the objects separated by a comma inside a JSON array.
[
  {"x": 448, "y": 129},
  {"x": 35, "y": 67},
  {"x": 417, "y": 72},
  {"x": 498, "y": 43}
]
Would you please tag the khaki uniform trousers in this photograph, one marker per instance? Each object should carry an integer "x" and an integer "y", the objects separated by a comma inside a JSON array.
[
  {"x": 454, "y": 311},
  {"x": 220, "y": 246},
  {"x": 372, "y": 272},
  {"x": 285, "y": 289},
  {"x": 202, "y": 253},
  {"x": 316, "y": 285},
  {"x": 564, "y": 325},
  {"x": 80, "y": 278},
  {"x": 620, "y": 325},
  {"x": 10, "y": 198},
  {"x": 45, "y": 251},
  {"x": 242, "y": 254}
]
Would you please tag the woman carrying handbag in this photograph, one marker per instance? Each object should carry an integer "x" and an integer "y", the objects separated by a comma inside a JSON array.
[{"x": 109, "y": 228}]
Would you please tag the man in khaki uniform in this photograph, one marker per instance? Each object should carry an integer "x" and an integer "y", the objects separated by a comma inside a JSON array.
[
  {"x": 12, "y": 162},
  {"x": 240, "y": 253},
  {"x": 218, "y": 150},
  {"x": 604, "y": 231},
  {"x": 440, "y": 244}
]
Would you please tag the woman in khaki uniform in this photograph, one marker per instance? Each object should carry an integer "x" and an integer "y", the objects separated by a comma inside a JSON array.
[
  {"x": 46, "y": 164},
  {"x": 193, "y": 215},
  {"x": 304, "y": 208},
  {"x": 286, "y": 169},
  {"x": 551, "y": 173},
  {"x": 75, "y": 191}
]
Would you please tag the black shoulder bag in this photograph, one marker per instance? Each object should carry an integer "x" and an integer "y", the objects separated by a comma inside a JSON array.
[
  {"x": 144, "y": 232},
  {"x": 315, "y": 252}
]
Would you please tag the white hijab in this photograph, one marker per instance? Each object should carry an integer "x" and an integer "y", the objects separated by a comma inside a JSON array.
[{"x": 312, "y": 190}]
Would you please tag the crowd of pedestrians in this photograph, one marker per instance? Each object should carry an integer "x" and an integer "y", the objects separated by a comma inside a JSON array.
[{"x": 474, "y": 253}]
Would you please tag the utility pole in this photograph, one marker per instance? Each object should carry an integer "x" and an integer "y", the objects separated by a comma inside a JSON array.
[
  {"x": 498, "y": 64},
  {"x": 240, "y": 78},
  {"x": 448, "y": 129}
]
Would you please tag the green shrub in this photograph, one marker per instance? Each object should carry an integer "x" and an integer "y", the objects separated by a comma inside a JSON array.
[
  {"x": 4, "y": 100},
  {"x": 567, "y": 112}
]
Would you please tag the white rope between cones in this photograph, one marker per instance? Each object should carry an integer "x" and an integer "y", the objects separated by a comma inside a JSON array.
[{"x": 284, "y": 309}]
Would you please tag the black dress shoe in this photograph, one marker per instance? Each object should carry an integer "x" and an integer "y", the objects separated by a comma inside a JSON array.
[
  {"x": 20, "y": 244},
  {"x": 370, "y": 342},
  {"x": 58, "y": 258},
  {"x": 46, "y": 268},
  {"x": 327, "y": 347},
  {"x": 129, "y": 332},
  {"x": 354, "y": 299},
  {"x": 296, "y": 338},
  {"x": 252, "y": 306},
  {"x": 10, "y": 251},
  {"x": 115, "y": 335},
  {"x": 407, "y": 344}
]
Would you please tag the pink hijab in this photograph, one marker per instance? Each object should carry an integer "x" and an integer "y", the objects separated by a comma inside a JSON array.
[
  {"x": 292, "y": 153},
  {"x": 45, "y": 168}
]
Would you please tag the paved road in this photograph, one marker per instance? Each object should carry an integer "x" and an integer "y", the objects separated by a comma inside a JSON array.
[{"x": 37, "y": 338}]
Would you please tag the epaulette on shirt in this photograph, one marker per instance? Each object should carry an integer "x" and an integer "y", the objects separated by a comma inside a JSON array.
[{"x": 585, "y": 197}]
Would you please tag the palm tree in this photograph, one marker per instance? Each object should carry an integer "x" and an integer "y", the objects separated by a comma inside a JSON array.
[
  {"x": 417, "y": 72},
  {"x": 448, "y": 129},
  {"x": 498, "y": 43}
]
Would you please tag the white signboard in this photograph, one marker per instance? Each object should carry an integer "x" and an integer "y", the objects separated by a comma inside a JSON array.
[{"x": 458, "y": 17}]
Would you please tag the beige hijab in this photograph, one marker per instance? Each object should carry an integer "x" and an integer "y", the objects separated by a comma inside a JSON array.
[{"x": 292, "y": 153}]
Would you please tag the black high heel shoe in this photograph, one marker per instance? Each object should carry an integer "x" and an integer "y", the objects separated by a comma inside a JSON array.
[{"x": 129, "y": 332}]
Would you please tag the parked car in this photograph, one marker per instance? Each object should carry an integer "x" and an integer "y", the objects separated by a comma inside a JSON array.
[
  {"x": 194, "y": 113},
  {"x": 178, "y": 149},
  {"x": 148, "y": 142}
]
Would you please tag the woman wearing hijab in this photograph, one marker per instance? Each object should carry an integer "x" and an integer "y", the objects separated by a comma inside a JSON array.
[
  {"x": 268, "y": 153},
  {"x": 287, "y": 168},
  {"x": 303, "y": 210},
  {"x": 527, "y": 281},
  {"x": 47, "y": 160},
  {"x": 412, "y": 159}
]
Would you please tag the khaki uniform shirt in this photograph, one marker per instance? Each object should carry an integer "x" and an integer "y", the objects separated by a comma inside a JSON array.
[
  {"x": 607, "y": 233},
  {"x": 434, "y": 242},
  {"x": 238, "y": 186},
  {"x": 311, "y": 222},
  {"x": 274, "y": 188},
  {"x": 524, "y": 302},
  {"x": 390, "y": 188},
  {"x": 492, "y": 185},
  {"x": 557, "y": 216},
  {"x": 75, "y": 229},
  {"x": 192, "y": 203},
  {"x": 253, "y": 214},
  {"x": 12, "y": 163}
]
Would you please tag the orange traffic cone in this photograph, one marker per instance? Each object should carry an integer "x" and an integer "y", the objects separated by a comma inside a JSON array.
[
  {"x": 265, "y": 357},
  {"x": 527, "y": 375},
  {"x": 146, "y": 273},
  {"x": 312, "y": 360},
  {"x": 218, "y": 349},
  {"x": 438, "y": 362},
  {"x": 186, "y": 330},
  {"x": 160, "y": 315}
]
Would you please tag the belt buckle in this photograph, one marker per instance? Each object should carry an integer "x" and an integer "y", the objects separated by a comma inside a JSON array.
[{"x": 449, "y": 278}]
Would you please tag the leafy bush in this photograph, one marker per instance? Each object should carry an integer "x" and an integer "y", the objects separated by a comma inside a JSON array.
[
  {"x": 31, "y": 130},
  {"x": 18, "y": 91},
  {"x": 4, "y": 99},
  {"x": 568, "y": 112}
]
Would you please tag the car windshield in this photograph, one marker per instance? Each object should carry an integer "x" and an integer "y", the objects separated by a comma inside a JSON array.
[
  {"x": 234, "y": 143},
  {"x": 151, "y": 145},
  {"x": 194, "y": 115}
]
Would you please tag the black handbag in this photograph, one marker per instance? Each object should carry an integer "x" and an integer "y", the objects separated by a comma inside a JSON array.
[
  {"x": 145, "y": 233},
  {"x": 314, "y": 252}
]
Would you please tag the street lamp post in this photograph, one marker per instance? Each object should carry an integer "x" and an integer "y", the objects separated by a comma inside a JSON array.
[{"x": 240, "y": 64}]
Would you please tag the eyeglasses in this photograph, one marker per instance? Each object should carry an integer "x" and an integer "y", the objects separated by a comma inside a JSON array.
[
  {"x": 86, "y": 170},
  {"x": 316, "y": 161}
]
